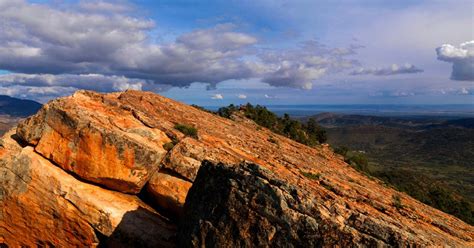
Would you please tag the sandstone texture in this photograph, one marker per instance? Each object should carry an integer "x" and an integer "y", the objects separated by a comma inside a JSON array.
[
  {"x": 42, "y": 205},
  {"x": 112, "y": 169},
  {"x": 168, "y": 192},
  {"x": 89, "y": 135}
]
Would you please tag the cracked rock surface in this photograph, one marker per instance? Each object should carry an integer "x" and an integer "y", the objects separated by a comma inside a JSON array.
[
  {"x": 42, "y": 205},
  {"x": 112, "y": 169}
]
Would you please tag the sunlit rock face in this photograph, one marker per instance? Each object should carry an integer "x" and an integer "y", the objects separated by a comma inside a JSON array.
[
  {"x": 112, "y": 169},
  {"x": 41, "y": 204},
  {"x": 91, "y": 136}
]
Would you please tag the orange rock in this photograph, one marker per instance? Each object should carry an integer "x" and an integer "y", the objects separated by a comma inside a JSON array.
[
  {"x": 168, "y": 192},
  {"x": 116, "y": 140},
  {"x": 101, "y": 143},
  {"x": 42, "y": 205}
]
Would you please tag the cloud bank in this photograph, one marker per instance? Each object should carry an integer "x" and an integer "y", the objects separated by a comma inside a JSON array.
[
  {"x": 461, "y": 57},
  {"x": 387, "y": 71},
  {"x": 102, "y": 46}
]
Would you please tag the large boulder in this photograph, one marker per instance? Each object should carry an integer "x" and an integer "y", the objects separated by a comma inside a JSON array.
[
  {"x": 91, "y": 136},
  {"x": 42, "y": 205},
  {"x": 247, "y": 205}
]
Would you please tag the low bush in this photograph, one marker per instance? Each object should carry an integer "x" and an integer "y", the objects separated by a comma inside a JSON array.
[
  {"x": 309, "y": 133},
  {"x": 187, "y": 130}
]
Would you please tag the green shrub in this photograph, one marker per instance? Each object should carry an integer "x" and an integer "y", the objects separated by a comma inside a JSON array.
[
  {"x": 201, "y": 108},
  {"x": 357, "y": 160},
  {"x": 311, "y": 175},
  {"x": 309, "y": 134},
  {"x": 429, "y": 191},
  {"x": 342, "y": 150},
  {"x": 397, "y": 201},
  {"x": 168, "y": 146},
  {"x": 187, "y": 130},
  {"x": 272, "y": 140}
]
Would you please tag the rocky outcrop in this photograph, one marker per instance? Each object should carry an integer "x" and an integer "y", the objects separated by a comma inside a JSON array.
[
  {"x": 92, "y": 168},
  {"x": 89, "y": 135},
  {"x": 42, "y": 205},
  {"x": 239, "y": 206},
  {"x": 247, "y": 206}
]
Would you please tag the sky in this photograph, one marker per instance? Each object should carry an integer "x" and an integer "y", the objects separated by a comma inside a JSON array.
[{"x": 214, "y": 53}]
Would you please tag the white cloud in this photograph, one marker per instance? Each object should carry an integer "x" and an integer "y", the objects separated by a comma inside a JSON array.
[
  {"x": 40, "y": 94},
  {"x": 37, "y": 38},
  {"x": 461, "y": 57},
  {"x": 464, "y": 91},
  {"x": 387, "y": 71},
  {"x": 217, "y": 97},
  {"x": 95, "y": 82},
  {"x": 242, "y": 96},
  {"x": 221, "y": 38},
  {"x": 102, "y": 38},
  {"x": 300, "y": 67}
]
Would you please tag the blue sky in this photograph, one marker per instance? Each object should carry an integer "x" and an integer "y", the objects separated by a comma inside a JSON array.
[{"x": 221, "y": 52}]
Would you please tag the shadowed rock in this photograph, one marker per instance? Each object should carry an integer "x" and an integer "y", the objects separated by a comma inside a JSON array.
[{"x": 247, "y": 206}]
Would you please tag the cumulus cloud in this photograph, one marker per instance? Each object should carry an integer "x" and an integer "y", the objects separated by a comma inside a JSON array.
[
  {"x": 95, "y": 82},
  {"x": 44, "y": 86},
  {"x": 461, "y": 57},
  {"x": 40, "y": 94},
  {"x": 101, "y": 46},
  {"x": 387, "y": 71},
  {"x": 299, "y": 67},
  {"x": 37, "y": 38},
  {"x": 242, "y": 96},
  {"x": 217, "y": 97}
]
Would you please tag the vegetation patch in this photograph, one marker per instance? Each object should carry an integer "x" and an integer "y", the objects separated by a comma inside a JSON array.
[
  {"x": 397, "y": 201},
  {"x": 168, "y": 146},
  {"x": 311, "y": 176},
  {"x": 272, "y": 139},
  {"x": 309, "y": 133},
  {"x": 187, "y": 130},
  {"x": 358, "y": 160},
  {"x": 429, "y": 191},
  {"x": 201, "y": 108},
  {"x": 329, "y": 187}
]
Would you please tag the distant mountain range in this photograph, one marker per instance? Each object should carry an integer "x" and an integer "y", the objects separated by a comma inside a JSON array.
[
  {"x": 17, "y": 107},
  {"x": 412, "y": 122},
  {"x": 12, "y": 110}
]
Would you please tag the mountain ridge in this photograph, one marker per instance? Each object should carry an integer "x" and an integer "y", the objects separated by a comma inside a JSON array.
[
  {"x": 18, "y": 107},
  {"x": 127, "y": 144}
]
